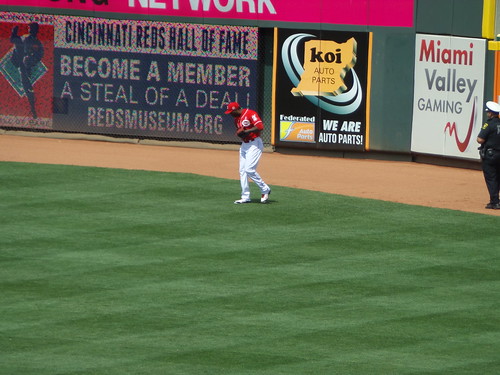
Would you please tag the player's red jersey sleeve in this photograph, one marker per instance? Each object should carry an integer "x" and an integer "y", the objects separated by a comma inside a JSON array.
[{"x": 255, "y": 119}]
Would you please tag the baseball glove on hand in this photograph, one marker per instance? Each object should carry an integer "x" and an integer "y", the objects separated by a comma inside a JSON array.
[{"x": 241, "y": 133}]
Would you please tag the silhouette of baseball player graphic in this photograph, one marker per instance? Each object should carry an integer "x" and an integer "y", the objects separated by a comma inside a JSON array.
[{"x": 28, "y": 52}]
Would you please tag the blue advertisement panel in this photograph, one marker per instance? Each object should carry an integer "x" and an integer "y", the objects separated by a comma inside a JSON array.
[{"x": 152, "y": 79}]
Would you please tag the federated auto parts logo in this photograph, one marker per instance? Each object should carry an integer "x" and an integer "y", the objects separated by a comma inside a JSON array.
[
  {"x": 297, "y": 128},
  {"x": 320, "y": 78}
]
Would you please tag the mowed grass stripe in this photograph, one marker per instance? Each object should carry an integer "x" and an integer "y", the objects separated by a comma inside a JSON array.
[{"x": 107, "y": 271}]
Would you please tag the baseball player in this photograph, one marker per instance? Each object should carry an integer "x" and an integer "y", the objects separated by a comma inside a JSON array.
[{"x": 248, "y": 127}]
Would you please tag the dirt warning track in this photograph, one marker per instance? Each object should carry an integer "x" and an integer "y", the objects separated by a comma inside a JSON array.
[{"x": 396, "y": 181}]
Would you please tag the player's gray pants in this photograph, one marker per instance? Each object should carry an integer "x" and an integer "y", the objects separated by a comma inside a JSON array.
[{"x": 250, "y": 154}]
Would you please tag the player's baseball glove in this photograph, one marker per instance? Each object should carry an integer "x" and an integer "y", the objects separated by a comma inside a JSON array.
[{"x": 241, "y": 133}]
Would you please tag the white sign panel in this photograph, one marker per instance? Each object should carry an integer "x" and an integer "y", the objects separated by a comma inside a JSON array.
[{"x": 448, "y": 105}]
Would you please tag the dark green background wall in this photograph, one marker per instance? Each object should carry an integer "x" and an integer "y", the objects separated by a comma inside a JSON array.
[{"x": 392, "y": 68}]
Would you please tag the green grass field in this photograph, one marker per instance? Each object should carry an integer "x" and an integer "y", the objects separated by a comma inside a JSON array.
[{"x": 107, "y": 271}]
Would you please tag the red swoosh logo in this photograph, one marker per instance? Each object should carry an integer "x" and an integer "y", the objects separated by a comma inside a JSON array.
[{"x": 452, "y": 129}]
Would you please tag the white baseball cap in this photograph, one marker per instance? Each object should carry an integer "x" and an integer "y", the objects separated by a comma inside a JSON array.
[{"x": 493, "y": 107}]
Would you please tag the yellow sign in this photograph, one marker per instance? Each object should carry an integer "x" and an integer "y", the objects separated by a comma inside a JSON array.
[
  {"x": 291, "y": 131},
  {"x": 325, "y": 65}
]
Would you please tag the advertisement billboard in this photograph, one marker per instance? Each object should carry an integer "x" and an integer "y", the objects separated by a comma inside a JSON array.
[
  {"x": 359, "y": 12},
  {"x": 448, "y": 104},
  {"x": 320, "y": 92},
  {"x": 146, "y": 79}
]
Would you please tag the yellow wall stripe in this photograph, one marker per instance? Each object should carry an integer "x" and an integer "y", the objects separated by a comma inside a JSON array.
[
  {"x": 496, "y": 80},
  {"x": 493, "y": 45},
  {"x": 275, "y": 67},
  {"x": 489, "y": 19},
  {"x": 368, "y": 91}
]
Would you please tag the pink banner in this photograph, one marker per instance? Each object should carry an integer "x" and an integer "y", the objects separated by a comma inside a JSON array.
[{"x": 393, "y": 13}]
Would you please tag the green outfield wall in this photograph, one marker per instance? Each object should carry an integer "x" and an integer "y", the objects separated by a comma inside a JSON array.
[{"x": 382, "y": 122}]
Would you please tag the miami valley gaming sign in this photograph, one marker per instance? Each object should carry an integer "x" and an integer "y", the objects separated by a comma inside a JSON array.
[
  {"x": 448, "y": 105},
  {"x": 321, "y": 88}
]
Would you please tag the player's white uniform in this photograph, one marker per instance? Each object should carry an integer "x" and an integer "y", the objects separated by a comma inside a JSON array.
[{"x": 250, "y": 153}]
